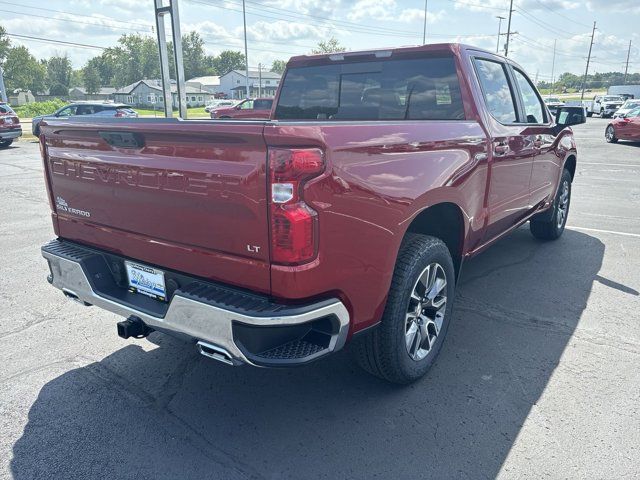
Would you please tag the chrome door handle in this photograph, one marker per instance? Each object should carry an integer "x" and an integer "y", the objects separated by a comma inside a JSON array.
[
  {"x": 538, "y": 142},
  {"x": 500, "y": 148}
]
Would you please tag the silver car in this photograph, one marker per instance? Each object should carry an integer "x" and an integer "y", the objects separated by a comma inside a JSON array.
[{"x": 86, "y": 109}]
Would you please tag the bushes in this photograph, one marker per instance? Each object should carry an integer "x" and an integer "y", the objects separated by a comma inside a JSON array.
[{"x": 31, "y": 110}]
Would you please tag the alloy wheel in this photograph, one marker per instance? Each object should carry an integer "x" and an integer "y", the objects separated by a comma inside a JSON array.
[
  {"x": 563, "y": 204},
  {"x": 425, "y": 312}
]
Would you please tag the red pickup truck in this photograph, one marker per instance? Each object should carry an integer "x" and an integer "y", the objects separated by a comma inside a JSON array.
[{"x": 346, "y": 216}]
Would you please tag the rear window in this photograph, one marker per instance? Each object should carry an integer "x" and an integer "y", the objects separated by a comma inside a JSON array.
[
  {"x": 5, "y": 109},
  {"x": 416, "y": 89}
]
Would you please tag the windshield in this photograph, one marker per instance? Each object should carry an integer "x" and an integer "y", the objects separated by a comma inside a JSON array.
[
  {"x": 614, "y": 98},
  {"x": 416, "y": 89},
  {"x": 631, "y": 104},
  {"x": 552, "y": 100}
]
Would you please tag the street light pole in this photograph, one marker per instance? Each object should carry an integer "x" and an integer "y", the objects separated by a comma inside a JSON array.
[
  {"x": 424, "y": 30},
  {"x": 246, "y": 55},
  {"x": 553, "y": 64},
  {"x": 586, "y": 70},
  {"x": 626, "y": 67},
  {"x": 499, "y": 32}
]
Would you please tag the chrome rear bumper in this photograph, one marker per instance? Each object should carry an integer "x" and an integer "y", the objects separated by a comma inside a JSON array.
[{"x": 218, "y": 327}]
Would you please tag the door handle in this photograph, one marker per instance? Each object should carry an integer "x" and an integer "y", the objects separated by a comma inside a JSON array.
[
  {"x": 538, "y": 142},
  {"x": 500, "y": 148}
]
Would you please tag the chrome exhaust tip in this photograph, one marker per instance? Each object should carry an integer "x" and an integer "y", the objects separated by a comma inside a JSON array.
[{"x": 215, "y": 352}]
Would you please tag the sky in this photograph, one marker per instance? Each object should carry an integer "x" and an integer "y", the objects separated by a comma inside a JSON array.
[{"x": 277, "y": 30}]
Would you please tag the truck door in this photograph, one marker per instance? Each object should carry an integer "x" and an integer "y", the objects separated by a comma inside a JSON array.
[
  {"x": 513, "y": 148},
  {"x": 546, "y": 165}
]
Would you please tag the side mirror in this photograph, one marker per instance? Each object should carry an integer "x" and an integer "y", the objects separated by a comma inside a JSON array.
[{"x": 567, "y": 116}]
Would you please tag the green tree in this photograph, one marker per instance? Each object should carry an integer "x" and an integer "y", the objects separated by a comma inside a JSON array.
[
  {"x": 193, "y": 56},
  {"x": 23, "y": 71},
  {"x": 278, "y": 66},
  {"x": 5, "y": 45},
  {"x": 330, "y": 46},
  {"x": 91, "y": 76},
  {"x": 59, "y": 72},
  {"x": 136, "y": 57},
  {"x": 228, "y": 60}
]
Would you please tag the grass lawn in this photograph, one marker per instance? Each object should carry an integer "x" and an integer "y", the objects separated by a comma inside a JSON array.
[{"x": 195, "y": 112}]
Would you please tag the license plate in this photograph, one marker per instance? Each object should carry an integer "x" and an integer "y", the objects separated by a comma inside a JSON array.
[{"x": 146, "y": 280}]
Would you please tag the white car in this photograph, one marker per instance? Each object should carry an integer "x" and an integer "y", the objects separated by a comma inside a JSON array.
[
  {"x": 220, "y": 103},
  {"x": 626, "y": 107}
]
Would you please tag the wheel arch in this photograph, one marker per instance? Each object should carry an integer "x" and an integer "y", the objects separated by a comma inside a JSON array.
[
  {"x": 446, "y": 221},
  {"x": 570, "y": 164}
]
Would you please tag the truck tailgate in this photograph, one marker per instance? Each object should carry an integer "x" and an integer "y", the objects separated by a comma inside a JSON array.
[{"x": 188, "y": 196}]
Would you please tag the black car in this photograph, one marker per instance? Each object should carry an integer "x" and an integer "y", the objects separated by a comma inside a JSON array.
[{"x": 86, "y": 109}]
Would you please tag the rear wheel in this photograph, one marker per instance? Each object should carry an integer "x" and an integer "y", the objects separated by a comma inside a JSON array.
[
  {"x": 610, "y": 134},
  {"x": 417, "y": 314},
  {"x": 5, "y": 143},
  {"x": 551, "y": 227},
  {"x": 589, "y": 113}
]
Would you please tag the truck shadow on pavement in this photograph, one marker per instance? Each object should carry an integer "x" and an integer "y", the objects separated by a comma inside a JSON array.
[{"x": 169, "y": 413}]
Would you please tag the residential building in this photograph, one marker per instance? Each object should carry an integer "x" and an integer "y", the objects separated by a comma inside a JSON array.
[
  {"x": 263, "y": 84},
  {"x": 148, "y": 94},
  {"x": 80, "y": 93},
  {"x": 20, "y": 97}
]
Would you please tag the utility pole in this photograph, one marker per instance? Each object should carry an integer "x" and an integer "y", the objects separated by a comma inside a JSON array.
[
  {"x": 259, "y": 80},
  {"x": 246, "y": 55},
  {"x": 3, "y": 91},
  {"x": 553, "y": 64},
  {"x": 499, "y": 32},
  {"x": 586, "y": 70},
  {"x": 506, "y": 47},
  {"x": 424, "y": 30},
  {"x": 626, "y": 67}
]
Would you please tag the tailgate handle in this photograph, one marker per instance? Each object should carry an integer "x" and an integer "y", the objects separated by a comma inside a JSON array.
[{"x": 123, "y": 139}]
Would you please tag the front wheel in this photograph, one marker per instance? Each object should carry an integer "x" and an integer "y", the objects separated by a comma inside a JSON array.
[
  {"x": 5, "y": 143},
  {"x": 417, "y": 314},
  {"x": 610, "y": 134},
  {"x": 551, "y": 227}
]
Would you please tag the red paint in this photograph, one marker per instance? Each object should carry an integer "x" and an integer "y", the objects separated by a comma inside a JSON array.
[
  {"x": 627, "y": 128},
  {"x": 9, "y": 122},
  {"x": 195, "y": 197}
]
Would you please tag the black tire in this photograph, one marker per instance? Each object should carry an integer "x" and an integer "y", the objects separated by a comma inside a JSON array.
[
  {"x": 589, "y": 114},
  {"x": 602, "y": 113},
  {"x": 610, "y": 134},
  {"x": 5, "y": 143},
  {"x": 384, "y": 351},
  {"x": 550, "y": 227}
]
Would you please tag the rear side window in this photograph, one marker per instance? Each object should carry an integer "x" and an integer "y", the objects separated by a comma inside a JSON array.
[
  {"x": 262, "y": 104},
  {"x": 415, "y": 89},
  {"x": 5, "y": 109},
  {"x": 496, "y": 90},
  {"x": 532, "y": 104}
]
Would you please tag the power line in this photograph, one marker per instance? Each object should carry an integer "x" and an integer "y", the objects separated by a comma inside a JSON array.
[{"x": 49, "y": 40}]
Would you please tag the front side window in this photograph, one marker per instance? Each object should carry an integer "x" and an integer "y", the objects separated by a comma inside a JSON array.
[
  {"x": 496, "y": 90},
  {"x": 247, "y": 105},
  {"x": 412, "y": 89},
  {"x": 262, "y": 104},
  {"x": 532, "y": 105},
  {"x": 67, "y": 111}
]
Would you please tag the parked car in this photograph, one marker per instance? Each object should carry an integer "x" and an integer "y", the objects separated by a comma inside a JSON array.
[
  {"x": 626, "y": 127},
  {"x": 250, "y": 108},
  {"x": 346, "y": 217},
  {"x": 553, "y": 103},
  {"x": 220, "y": 104},
  {"x": 10, "y": 127},
  {"x": 604, "y": 105},
  {"x": 119, "y": 110},
  {"x": 627, "y": 107}
]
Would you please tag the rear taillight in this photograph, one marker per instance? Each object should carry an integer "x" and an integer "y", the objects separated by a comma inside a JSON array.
[{"x": 294, "y": 225}]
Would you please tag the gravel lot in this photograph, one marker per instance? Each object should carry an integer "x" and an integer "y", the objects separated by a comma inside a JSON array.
[{"x": 539, "y": 377}]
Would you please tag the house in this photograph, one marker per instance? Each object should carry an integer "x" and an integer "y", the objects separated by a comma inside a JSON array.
[
  {"x": 261, "y": 83},
  {"x": 20, "y": 97},
  {"x": 80, "y": 93},
  {"x": 209, "y": 83},
  {"x": 148, "y": 94}
]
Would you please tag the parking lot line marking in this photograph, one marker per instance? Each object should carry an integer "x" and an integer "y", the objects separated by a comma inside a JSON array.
[
  {"x": 611, "y": 164},
  {"x": 613, "y": 232}
]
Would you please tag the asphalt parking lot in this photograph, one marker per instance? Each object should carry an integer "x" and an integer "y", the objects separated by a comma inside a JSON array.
[{"x": 539, "y": 377}]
